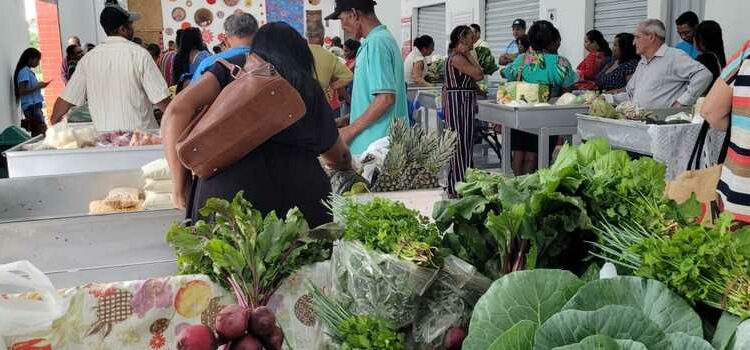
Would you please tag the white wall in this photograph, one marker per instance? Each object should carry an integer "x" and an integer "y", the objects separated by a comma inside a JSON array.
[
  {"x": 732, "y": 16},
  {"x": 81, "y": 18},
  {"x": 388, "y": 12},
  {"x": 574, "y": 19},
  {"x": 13, "y": 42}
]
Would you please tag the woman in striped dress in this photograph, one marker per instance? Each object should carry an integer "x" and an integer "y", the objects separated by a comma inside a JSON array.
[
  {"x": 462, "y": 71},
  {"x": 728, "y": 104}
]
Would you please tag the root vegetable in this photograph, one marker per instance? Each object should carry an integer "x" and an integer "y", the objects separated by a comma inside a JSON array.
[
  {"x": 454, "y": 339},
  {"x": 232, "y": 321},
  {"x": 196, "y": 337},
  {"x": 274, "y": 341},
  {"x": 248, "y": 342},
  {"x": 262, "y": 322}
]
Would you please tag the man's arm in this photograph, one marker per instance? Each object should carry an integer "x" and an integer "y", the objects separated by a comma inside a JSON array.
[
  {"x": 417, "y": 74},
  {"x": 698, "y": 77},
  {"x": 382, "y": 103},
  {"x": 59, "y": 110}
]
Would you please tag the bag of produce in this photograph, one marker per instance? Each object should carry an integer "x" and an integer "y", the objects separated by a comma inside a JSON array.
[
  {"x": 449, "y": 301},
  {"x": 373, "y": 283},
  {"x": 158, "y": 201},
  {"x": 156, "y": 170},
  {"x": 123, "y": 198},
  {"x": 158, "y": 186}
]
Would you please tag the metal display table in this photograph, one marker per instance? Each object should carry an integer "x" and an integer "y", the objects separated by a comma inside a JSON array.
[
  {"x": 47, "y": 197},
  {"x": 428, "y": 100},
  {"x": 85, "y": 160},
  {"x": 670, "y": 144},
  {"x": 78, "y": 250},
  {"x": 543, "y": 121}
]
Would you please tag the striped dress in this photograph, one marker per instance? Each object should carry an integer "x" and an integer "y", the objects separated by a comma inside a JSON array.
[
  {"x": 459, "y": 101},
  {"x": 734, "y": 186}
]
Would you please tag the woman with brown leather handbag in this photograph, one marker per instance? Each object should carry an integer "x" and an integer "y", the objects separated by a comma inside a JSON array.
[{"x": 276, "y": 166}]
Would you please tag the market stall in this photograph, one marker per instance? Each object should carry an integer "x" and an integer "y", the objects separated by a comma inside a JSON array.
[
  {"x": 543, "y": 121},
  {"x": 670, "y": 144},
  {"x": 426, "y": 104},
  {"x": 100, "y": 152}
]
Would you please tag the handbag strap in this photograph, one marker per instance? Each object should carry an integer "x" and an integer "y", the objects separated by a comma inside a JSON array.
[
  {"x": 695, "y": 156},
  {"x": 235, "y": 71}
]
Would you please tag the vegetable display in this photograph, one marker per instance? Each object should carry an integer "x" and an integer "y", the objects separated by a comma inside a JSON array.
[
  {"x": 710, "y": 265},
  {"x": 553, "y": 309},
  {"x": 251, "y": 255},
  {"x": 602, "y": 108},
  {"x": 486, "y": 60},
  {"x": 351, "y": 331},
  {"x": 504, "y": 224}
]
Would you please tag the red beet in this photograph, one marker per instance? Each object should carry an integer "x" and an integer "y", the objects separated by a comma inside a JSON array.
[
  {"x": 275, "y": 340},
  {"x": 232, "y": 321},
  {"x": 262, "y": 322},
  {"x": 196, "y": 337},
  {"x": 454, "y": 339},
  {"x": 248, "y": 342}
]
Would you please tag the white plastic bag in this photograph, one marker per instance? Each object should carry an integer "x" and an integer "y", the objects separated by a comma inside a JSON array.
[
  {"x": 373, "y": 158},
  {"x": 27, "y": 315},
  {"x": 156, "y": 170}
]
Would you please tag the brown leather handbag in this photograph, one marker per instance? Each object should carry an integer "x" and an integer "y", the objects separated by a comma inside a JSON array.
[{"x": 254, "y": 107}]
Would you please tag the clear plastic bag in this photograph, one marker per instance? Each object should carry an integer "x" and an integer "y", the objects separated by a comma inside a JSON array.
[
  {"x": 373, "y": 283},
  {"x": 32, "y": 314},
  {"x": 449, "y": 301}
]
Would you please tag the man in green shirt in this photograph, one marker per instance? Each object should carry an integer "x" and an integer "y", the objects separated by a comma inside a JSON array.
[{"x": 379, "y": 92}]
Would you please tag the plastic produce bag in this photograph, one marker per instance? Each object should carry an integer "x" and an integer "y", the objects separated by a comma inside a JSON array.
[
  {"x": 158, "y": 186},
  {"x": 368, "y": 282},
  {"x": 449, "y": 301},
  {"x": 156, "y": 170},
  {"x": 28, "y": 315},
  {"x": 292, "y": 305},
  {"x": 373, "y": 158}
]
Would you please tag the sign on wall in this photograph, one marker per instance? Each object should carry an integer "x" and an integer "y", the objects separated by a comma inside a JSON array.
[{"x": 208, "y": 15}]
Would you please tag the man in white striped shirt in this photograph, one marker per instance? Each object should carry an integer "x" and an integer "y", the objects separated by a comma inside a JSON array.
[{"x": 119, "y": 79}]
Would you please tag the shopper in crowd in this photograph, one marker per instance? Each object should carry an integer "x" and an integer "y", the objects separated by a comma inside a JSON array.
[
  {"x": 351, "y": 47},
  {"x": 710, "y": 41},
  {"x": 687, "y": 23},
  {"x": 119, "y": 80},
  {"x": 462, "y": 71},
  {"x": 166, "y": 60},
  {"x": 615, "y": 75},
  {"x": 330, "y": 71},
  {"x": 415, "y": 68},
  {"x": 28, "y": 91},
  {"x": 138, "y": 41},
  {"x": 379, "y": 92},
  {"x": 477, "y": 29},
  {"x": 482, "y": 53},
  {"x": 89, "y": 47},
  {"x": 665, "y": 77},
  {"x": 239, "y": 29},
  {"x": 171, "y": 46},
  {"x": 191, "y": 53},
  {"x": 594, "y": 44},
  {"x": 282, "y": 173},
  {"x": 154, "y": 50},
  {"x": 539, "y": 66},
  {"x": 216, "y": 49},
  {"x": 511, "y": 51},
  {"x": 73, "y": 40},
  {"x": 73, "y": 55},
  {"x": 728, "y": 105},
  {"x": 337, "y": 47}
]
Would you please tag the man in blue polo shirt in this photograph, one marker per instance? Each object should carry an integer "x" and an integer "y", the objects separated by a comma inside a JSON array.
[
  {"x": 379, "y": 92},
  {"x": 687, "y": 23},
  {"x": 239, "y": 30}
]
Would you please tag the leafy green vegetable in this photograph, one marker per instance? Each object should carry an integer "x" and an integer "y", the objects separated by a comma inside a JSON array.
[
  {"x": 684, "y": 341},
  {"x": 242, "y": 249},
  {"x": 724, "y": 335},
  {"x": 354, "y": 332},
  {"x": 526, "y": 295},
  {"x": 615, "y": 321},
  {"x": 486, "y": 60},
  {"x": 654, "y": 299},
  {"x": 518, "y": 337},
  {"x": 603, "y": 342},
  {"x": 390, "y": 227}
]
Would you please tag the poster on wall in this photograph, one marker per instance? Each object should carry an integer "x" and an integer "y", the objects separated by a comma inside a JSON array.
[
  {"x": 207, "y": 15},
  {"x": 289, "y": 11}
]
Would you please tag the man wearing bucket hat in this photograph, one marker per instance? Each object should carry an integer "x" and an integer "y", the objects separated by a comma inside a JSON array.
[
  {"x": 379, "y": 92},
  {"x": 120, "y": 79}
]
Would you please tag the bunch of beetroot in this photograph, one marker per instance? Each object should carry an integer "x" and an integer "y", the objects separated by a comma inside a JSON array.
[{"x": 238, "y": 328}]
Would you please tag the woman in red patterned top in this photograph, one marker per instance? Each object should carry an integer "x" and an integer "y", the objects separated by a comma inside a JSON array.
[{"x": 588, "y": 69}]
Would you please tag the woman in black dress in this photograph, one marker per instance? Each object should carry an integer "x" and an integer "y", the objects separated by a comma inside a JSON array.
[{"x": 282, "y": 173}]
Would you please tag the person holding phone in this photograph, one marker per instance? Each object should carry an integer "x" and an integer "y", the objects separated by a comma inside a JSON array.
[{"x": 28, "y": 90}]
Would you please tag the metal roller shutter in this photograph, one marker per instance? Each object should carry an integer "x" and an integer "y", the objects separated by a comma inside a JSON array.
[
  {"x": 431, "y": 21},
  {"x": 612, "y": 17},
  {"x": 499, "y": 17}
]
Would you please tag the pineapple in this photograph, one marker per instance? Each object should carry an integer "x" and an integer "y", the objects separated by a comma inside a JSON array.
[{"x": 414, "y": 159}]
